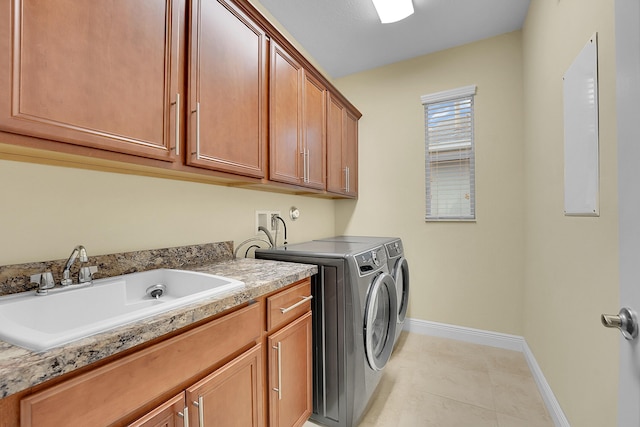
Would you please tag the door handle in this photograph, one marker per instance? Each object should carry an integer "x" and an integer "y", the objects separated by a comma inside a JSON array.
[
  {"x": 185, "y": 416},
  {"x": 626, "y": 320},
  {"x": 278, "y": 348}
]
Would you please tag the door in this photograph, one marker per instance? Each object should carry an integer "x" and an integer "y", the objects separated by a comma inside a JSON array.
[
  {"x": 350, "y": 153},
  {"x": 342, "y": 149},
  {"x": 290, "y": 370},
  {"x": 336, "y": 174},
  {"x": 314, "y": 126},
  {"x": 227, "y": 90},
  {"x": 231, "y": 396},
  {"x": 627, "y": 24},
  {"x": 285, "y": 93},
  {"x": 380, "y": 320},
  {"x": 87, "y": 73},
  {"x": 401, "y": 277}
]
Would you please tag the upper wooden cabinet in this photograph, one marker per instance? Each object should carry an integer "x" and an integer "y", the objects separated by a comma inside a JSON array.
[
  {"x": 297, "y": 111},
  {"x": 314, "y": 131},
  {"x": 96, "y": 74},
  {"x": 285, "y": 108},
  {"x": 227, "y": 90},
  {"x": 342, "y": 148},
  {"x": 208, "y": 87}
]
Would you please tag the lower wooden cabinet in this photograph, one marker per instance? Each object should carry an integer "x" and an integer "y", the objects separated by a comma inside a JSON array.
[
  {"x": 114, "y": 392},
  {"x": 290, "y": 370},
  {"x": 233, "y": 385},
  {"x": 231, "y": 396}
]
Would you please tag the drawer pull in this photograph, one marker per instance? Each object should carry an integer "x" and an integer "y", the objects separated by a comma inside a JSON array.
[{"x": 298, "y": 304}]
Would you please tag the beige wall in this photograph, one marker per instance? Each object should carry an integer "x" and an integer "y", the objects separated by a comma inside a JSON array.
[
  {"x": 571, "y": 267},
  {"x": 46, "y": 210},
  {"x": 468, "y": 274}
]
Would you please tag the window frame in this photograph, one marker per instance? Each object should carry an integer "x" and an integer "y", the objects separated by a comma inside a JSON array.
[{"x": 460, "y": 151}]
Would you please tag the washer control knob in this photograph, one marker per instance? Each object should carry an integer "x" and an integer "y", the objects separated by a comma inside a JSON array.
[{"x": 374, "y": 258}]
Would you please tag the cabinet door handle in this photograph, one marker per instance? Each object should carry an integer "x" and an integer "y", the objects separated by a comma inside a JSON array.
[
  {"x": 298, "y": 304},
  {"x": 307, "y": 163},
  {"x": 279, "y": 388},
  {"x": 346, "y": 179},
  {"x": 197, "y": 111},
  {"x": 185, "y": 416},
  {"x": 304, "y": 166},
  {"x": 177, "y": 131},
  {"x": 200, "y": 405},
  {"x": 348, "y": 174}
]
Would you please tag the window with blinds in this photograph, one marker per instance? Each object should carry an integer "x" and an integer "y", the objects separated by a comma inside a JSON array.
[{"x": 450, "y": 159}]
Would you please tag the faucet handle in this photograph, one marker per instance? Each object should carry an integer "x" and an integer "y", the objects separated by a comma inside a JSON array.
[
  {"x": 44, "y": 280},
  {"x": 86, "y": 273}
]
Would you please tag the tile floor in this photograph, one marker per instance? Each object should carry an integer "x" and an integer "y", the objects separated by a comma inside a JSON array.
[{"x": 439, "y": 382}]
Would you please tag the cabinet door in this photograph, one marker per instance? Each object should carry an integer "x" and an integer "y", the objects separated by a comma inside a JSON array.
[
  {"x": 290, "y": 370},
  {"x": 314, "y": 133},
  {"x": 227, "y": 90},
  {"x": 285, "y": 107},
  {"x": 350, "y": 152},
  {"x": 336, "y": 172},
  {"x": 97, "y": 74},
  {"x": 231, "y": 396},
  {"x": 170, "y": 414},
  {"x": 342, "y": 149}
]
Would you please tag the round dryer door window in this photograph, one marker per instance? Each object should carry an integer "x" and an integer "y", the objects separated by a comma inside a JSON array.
[
  {"x": 380, "y": 319},
  {"x": 401, "y": 276}
]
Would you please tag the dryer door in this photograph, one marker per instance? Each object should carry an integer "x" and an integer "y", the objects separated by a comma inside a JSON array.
[
  {"x": 380, "y": 320},
  {"x": 401, "y": 277}
]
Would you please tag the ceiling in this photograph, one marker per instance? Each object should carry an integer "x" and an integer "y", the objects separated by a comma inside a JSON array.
[{"x": 346, "y": 36}]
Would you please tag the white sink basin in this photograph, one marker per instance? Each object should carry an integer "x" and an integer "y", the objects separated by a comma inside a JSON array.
[{"x": 40, "y": 322}]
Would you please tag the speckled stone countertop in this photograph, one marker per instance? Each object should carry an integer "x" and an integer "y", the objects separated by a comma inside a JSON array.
[{"x": 21, "y": 368}]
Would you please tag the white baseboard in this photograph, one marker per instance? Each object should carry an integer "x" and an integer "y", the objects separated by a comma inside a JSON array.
[{"x": 499, "y": 340}]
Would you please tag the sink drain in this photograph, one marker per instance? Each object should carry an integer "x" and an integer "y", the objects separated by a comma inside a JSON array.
[{"x": 156, "y": 291}]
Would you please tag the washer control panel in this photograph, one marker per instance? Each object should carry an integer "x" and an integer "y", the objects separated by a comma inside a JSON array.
[
  {"x": 394, "y": 249},
  {"x": 371, "y": 260}
]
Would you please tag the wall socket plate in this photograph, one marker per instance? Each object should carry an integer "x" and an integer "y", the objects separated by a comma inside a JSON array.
[{"x": 267, "y": 220}]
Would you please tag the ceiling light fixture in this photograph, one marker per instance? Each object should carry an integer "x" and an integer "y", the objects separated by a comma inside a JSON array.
[{"x": 393, "y": 10}]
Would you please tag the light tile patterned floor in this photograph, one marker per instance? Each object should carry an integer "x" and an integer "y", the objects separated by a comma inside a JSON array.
[{"x": 439, "y": 382}]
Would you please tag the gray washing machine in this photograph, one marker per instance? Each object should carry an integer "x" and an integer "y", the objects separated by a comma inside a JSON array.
[
  {"x": 354, "y": 323},
  {"x": 398, "y": 268}
]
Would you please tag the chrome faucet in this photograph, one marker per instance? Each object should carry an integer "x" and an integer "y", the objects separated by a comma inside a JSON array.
[{"x": 78, "y": 252}]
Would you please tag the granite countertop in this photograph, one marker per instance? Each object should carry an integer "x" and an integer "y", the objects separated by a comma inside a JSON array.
[{"x": 21, "y": 368}]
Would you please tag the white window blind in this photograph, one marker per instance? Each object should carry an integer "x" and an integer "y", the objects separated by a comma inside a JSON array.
[{"x": 450, "y": 155}]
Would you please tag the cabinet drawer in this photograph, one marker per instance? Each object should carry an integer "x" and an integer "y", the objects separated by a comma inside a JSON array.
[
  {"x": 287, "y": 305},
  {"x": 108, "y": 393}
]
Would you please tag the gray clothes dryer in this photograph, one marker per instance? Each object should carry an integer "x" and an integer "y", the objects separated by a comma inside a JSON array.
[{"x": 354, "y": 324}]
